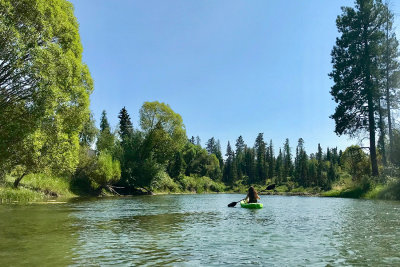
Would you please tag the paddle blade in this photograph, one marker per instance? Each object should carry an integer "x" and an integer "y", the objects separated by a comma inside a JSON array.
[{"x": 233, "y": 204}]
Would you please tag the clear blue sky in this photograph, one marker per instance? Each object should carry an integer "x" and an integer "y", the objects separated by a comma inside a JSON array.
[{"x": 228, "y": 67}]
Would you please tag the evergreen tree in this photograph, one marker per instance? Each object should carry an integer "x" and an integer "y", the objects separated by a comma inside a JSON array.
[
  {"x": 391, "y": 76},
  {"x": 177, "y": 166},
  {"x": 211, "y": 145},
  {"x": 192, "y": 140},
  {"x": 301, "y": 167},
  {"x": 260, "y": 150},
  {"x": 125, "y": 124},
  {"x": 104, "y": 121},
  {"x": 198, "y": 141},
  {"x": 105, "y": 140},
  {"x": 319, "y": 165},
  {"x": 218, "y": 154},
  {"x": 271, "y": 160},
  {"x": 356, "y": 73},
  {"x": 240, "y": 164},
  {"x": 287, "y": 161},
  {"x": 279, "y": 167},
  {"x": 250, "y": 167},
  {"x": 240, "y": 145},
  {"x": 230, "y": 174}
]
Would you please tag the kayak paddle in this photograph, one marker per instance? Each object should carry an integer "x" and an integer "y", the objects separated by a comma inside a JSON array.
[{"x": 233, "y": 204}]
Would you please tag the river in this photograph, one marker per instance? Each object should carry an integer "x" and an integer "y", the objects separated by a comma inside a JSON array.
[{"x": 200, "y": 230}]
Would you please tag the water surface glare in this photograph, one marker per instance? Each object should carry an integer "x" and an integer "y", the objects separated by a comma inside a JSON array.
[{"x": 200, "y": 230}]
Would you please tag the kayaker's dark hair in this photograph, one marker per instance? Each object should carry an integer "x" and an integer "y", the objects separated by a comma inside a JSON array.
[
  {"x": 252, "y": 190},
  {"x": 252, "y": 194}
]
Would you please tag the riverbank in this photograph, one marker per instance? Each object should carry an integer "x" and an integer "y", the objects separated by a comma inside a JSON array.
[
  {"x": 36, "y": 187},
  {"x": 40, "y": 187}
]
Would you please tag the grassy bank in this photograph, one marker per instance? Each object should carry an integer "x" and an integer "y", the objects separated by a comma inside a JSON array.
[
  {"x": 35, "y": 187},
  {"x": 366, "y": 189}
]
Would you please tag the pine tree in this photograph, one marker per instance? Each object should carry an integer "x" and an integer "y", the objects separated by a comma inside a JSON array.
[
  {"x": 218, "y": 154},
  {"x": 177, "y": 166},
  {"x": 391, "y": 67},
  {"x": 125, "y": 124},
  {"x": 104, "y": 121},
  {"x": 192, "y": 140},
  {"x": 279, "y": 167},
  {"x": 287, "y": 161},
  {"x": 260, "y": 149},
  {"x": 230, "y": 173},
  {"x": 250, "y": 167},
  {"x": 211, "y": 145},
  {"x": 271, "y": 161},
  {"x": 319, "y": 165},
  {"x": 240, "y": 145},
  {"x": 301, "y": 168},
  {"x": 105, "y": 140},
  {"x": 356, "y": 73},
  {"x": 198, "y": 141}
]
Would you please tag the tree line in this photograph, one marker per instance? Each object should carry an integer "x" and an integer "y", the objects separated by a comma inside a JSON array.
[
  {"x": 46, "y": 125},
  {"x": 160, "y": 147}
]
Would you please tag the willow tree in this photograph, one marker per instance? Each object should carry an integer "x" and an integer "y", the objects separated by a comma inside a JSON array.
[
  {"x": 44, "y": 85},
  {"x": 356, "y": 72}
]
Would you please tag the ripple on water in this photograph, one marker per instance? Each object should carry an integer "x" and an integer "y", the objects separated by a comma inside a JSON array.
[{"x": 190, "y": 230}]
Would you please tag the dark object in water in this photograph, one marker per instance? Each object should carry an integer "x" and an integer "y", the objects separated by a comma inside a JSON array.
[
  {"x": 233, "y": 204},
  {"x": 270, "y": 187}
]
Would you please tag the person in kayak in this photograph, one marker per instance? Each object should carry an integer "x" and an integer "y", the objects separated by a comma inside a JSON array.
[{"x": 252, "y": 196}]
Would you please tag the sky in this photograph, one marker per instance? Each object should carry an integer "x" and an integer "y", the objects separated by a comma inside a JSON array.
[{"x": 228, "y": 67}]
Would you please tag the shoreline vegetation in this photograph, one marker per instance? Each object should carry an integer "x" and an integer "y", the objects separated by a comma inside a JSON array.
[
  {"x": 51, "y": 148},
  {"x": 40, "y": 189}
]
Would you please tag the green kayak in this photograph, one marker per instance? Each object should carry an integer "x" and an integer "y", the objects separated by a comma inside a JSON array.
[{"x": 250, "y": 205}]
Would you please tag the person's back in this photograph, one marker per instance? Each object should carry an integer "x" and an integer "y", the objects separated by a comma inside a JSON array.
[{"x": 252, "y": 195}]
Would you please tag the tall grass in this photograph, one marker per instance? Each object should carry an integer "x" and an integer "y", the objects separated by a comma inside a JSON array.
[
  {"x": 9, "y": 194},
  {"x": 35, "y": 187}
]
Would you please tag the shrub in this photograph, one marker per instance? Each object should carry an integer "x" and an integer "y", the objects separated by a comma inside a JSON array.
[{"x": 164, "y": 183}]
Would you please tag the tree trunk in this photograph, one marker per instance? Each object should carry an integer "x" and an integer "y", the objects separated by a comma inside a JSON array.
[
  {"x": 388, "y": 88},
  {"x": 371, "y": 108},
  {"x": 372, "y": 147},
  {"x": 16, "y": 182},
  {"x": 381, "y": 140}
]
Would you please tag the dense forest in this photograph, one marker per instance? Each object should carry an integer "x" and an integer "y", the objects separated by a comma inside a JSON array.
[{"x": 47, "y": 130}]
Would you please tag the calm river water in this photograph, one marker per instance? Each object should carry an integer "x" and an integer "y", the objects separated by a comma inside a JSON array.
[{"x": 200, "y": 230}]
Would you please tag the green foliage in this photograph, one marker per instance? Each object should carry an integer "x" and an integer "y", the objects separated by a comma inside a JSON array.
[
  {"x": 106, "y": 172},
  {"x": 164, "y": 183},
  {"x": 89, "y": 132},
  {"x": 199, "y": 162},
  {"x": 391, "y": 191},
  {"x": 164, "y": 131},
  {"x": 106, "y": 139},
  {"x": 355, "y": 162},
  {"x": 357, "y": 72},
  {"x": 125, "y": 124},
  {"x": 201, "y": 184},
  {"x": 395, "y": 151},
  {"x": 97, "y": 171},
  {"x": 9, "y": 194},
  {"x": 44, "y": 93}
]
